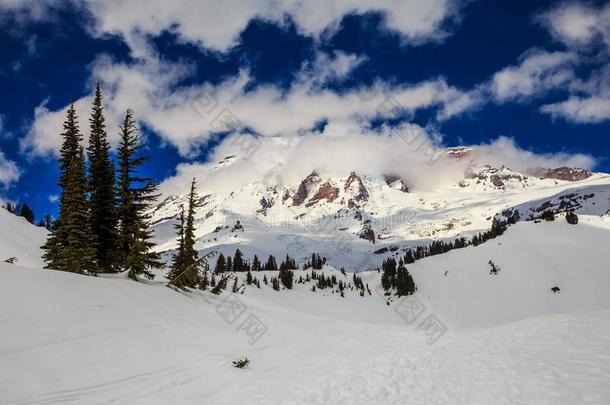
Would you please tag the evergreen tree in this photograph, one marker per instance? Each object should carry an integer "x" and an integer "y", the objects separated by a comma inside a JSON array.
[
  {"x": 286, "y": 276},
  {"x": 101, "y": 179},
  {"x": 271, "y": 263},
  {"x": 256, "y": 264},
  {"x": 229, "y": 263},
  {"x": 238, "y": 261},
  {"x": 221, "y": 264},
  {"x": 69, "y": 246},
  {"x": 27, "y": 213},
  {"x": 404, "y": 281},
  {"x": 135, "y": 195},
  {"x": 185, "y": 269}
]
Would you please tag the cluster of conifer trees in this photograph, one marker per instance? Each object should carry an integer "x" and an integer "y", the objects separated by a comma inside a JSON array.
[
  {"x": 396, "y": 276},
  {"x": 24, "y": 210},
  {"x": 102, "y": 225},
  {"x": 439, "y": 247}
]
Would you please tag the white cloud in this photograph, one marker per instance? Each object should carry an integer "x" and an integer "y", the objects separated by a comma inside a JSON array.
[
  {"x": 583, "y": 27},
  {"x": 413, "y": 152},
  {"x": 578, "y": 24},
  {"x": 9, "y": 172},
  {"x": 217, "y": 24},
  {"x": 537, "y": 72},
  {"x": 187, "y": 117}
]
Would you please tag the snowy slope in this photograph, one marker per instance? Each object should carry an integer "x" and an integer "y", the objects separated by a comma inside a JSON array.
[
  {"x": 85, "y": 340},
  {"x": 20, "y": 239},
  {"x": 533, "y": 258}
]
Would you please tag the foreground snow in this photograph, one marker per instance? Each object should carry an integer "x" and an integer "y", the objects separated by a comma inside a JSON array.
[
  {"x": 74, "y": 339},
  {"x": 493, "y": 339}
]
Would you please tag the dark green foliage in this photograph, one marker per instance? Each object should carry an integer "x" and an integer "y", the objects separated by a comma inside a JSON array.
[
  {"x": 405, "y": 285},
  {"x": 271, "y": 263},
  {"x": 388, "y": 276},
  {"x": 26, "y": 212},
  {"x": 229, "y": 263},
  {"x": 548, "y": 215},
  {"x": 394, "y": 276},
  {"x": 221, "y": 264},
  {"x": 220, "y": 285},
  {"x": 185, "y": 268},
  {"x": 256, "y": 264},
  {"x": 10, "y": 208},
  {"x": 70, "y": 245},
  {"x": 249, "y": 279},
  {"x": 572, "y": 218},
  {"x": 238, "y": 262},
  {"x": 135, "y": 196},
  {"x": 241, "y": 363},
  {"x": 102, "y": 200},
  {"x": 286, "y": 277},
  {"x": 494, "y": 269},
  {"x": 235, "y": 288},
  {"x": 288, "y": 264},
  {"x": 275, "y": 283}
]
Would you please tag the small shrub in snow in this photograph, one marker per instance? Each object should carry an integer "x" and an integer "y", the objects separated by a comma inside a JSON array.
[
  {"x": 572, "y": 218},
  {"x": 556, "y": 289},
  {"x": 241, "y": 363},
  {"x": 11, "y": 260},
  {"x": 494, "y": 269}
]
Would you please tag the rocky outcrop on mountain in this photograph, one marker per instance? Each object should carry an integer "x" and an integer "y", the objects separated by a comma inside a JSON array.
[
  {"x": 265, "y": 203},
  {"x": 367, "y": 232},
  {"x": 396, "y": 182},
  {"x": 305, "y": 188},
  {"x": 356, "y": 191},
  {"x": 561, "y": 173},
  {"x": 459, "y": 153},
  {"x": 499, "y": 178},
  {"x": 325, "y": 192}
]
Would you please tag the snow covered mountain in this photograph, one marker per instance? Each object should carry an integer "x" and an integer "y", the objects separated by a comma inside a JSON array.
[{"x": 358, "y": 219}]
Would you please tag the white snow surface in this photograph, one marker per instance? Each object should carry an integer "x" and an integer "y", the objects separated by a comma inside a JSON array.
[
  {"x": 96, "y": 340},
  {"x": 20, "y": 239}
]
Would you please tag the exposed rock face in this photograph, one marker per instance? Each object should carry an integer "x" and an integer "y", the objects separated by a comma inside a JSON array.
[
  {"x": 458, "y": 153},
  {"x": 305, "y": 188},
  {"x": 265, "y": 205},
  {"x": 396, "y": 182},
  {"x": 356, "y": 189},
  {"x": 497, "y": 181},
  {"x": 325, "y": 192},
  {"x": 367, "y": 232},
  {"x": 562, "y": 173}
]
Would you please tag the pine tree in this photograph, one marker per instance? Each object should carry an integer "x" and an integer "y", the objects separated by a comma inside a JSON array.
[
  {"x": 27, "y": 213},
  {"x": 69, "y": 246},
  {"x": 221, "y": 264},
  {"x": 256, "y": 263},
  {"x": 238, "y": 261},
  {"x": 185, "y": 269},
  {"x": 135, "y": 195},
  {"x": 101, "y": 179},
  {"x": 229, "y": 263},
  {"x": 271, "y": 263}
]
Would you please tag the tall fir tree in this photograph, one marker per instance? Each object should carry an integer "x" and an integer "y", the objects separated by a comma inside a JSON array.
[
  {"x": 70, "y": 245},
  {"x": 221, "y": 264},
  {"x": 185, "y": 267},
  {"x": 134, "y": 197},
  {"x": 101, "y": 179}
]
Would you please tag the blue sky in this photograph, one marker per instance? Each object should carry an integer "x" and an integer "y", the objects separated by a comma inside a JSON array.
[{"x": 466, "y": 72}]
